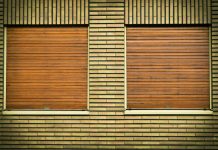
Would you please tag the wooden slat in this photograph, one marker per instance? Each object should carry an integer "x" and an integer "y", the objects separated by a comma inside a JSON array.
[
  {"x": 168, "y": 68},
  {"x": 47, "y": 68}
]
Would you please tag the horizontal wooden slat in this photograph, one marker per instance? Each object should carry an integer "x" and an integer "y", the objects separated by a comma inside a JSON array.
[
  {"x": 167, "y": 68},
  {"x": 47, "y": 68},
  {"x": 37, "y": 105},
  {"x": 181, "y": 104}
]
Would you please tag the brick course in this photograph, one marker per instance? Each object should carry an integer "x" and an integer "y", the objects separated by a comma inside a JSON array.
[{"x": 107, "y": 127}]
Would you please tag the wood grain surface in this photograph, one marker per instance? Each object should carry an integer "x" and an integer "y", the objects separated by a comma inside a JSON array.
[
  {"x": 168, "y": 68},
  {"x": 47, "y": 68}
]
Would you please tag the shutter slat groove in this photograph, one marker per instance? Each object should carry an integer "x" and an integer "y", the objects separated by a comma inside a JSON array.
[
  {"x": 168, "y": 68},
  {"x": 47, "y": 68}
]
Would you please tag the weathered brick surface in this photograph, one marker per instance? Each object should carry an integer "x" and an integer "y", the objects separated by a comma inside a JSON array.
[
  {"x": 45, "y": 12},
  {"x": 106, "y": 56},
  {"x": 1, "y": 54},
  {"x": 107, "y": 127},
  {"x": 214, "y": 49}
]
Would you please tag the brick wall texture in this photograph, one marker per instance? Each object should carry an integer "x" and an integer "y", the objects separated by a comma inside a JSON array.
[{"x": 106, "y": 127}]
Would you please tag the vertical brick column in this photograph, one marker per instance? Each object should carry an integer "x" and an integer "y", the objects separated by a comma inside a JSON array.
[
  {"x": 106, "y": 57},
  {"x": 1, "y": 53},
  {"x": 214, "y": 61}
]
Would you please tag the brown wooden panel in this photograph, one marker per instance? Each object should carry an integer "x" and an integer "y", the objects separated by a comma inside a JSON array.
[
  {"x": 168, "y": 68},
  {"x": 47, "y": 68}
]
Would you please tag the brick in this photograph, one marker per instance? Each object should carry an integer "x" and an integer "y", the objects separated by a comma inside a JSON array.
[{"x": 107, "y": 127}]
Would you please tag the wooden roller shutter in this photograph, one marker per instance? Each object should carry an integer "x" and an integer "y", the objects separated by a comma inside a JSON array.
[
  {"x": 168, "y": 68},
  {"x": 47, "y": 68}
]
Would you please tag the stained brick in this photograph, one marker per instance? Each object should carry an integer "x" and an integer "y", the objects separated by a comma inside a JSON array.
[{"x": 106, "y": 127}]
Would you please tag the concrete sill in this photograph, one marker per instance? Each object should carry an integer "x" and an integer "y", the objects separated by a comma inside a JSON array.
[
  {"x": 64, "y": 112},
  {"x": 168, "y": 112}
]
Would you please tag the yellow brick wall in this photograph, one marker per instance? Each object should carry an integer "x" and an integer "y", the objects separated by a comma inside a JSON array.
[
  {"x": 168, "y": 11},
  {"x": 45, "y": 12},
  {"x": 106, "y": 127}
]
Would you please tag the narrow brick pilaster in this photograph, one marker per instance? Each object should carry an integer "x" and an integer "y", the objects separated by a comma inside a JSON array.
[
  {"x": 1, "y": 53},
  {"x": 214, "y": 53},
  {"x": 106, "y": 56}
]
